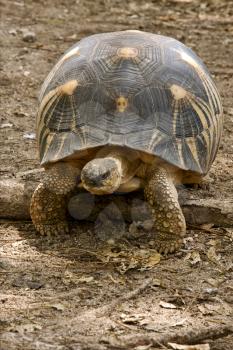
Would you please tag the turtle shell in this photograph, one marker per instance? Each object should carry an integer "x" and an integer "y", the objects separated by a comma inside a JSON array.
[{"x": 140, "y": 90}]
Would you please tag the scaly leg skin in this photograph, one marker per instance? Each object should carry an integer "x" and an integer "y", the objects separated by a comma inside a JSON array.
[
  {"x": 49, "y": 201},
  {"x": 169, "y": 223}
]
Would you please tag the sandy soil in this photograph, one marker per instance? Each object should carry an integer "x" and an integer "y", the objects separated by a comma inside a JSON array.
[{"x": 82, "y": 292}]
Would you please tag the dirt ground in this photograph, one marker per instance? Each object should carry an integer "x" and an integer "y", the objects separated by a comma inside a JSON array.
[{"x": 84, "y": 292}]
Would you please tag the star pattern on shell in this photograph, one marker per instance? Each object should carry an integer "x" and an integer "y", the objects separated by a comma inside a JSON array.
[{"x": 144, "y": 91}]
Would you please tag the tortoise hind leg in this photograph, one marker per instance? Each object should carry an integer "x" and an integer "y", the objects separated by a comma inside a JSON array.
[
  {"x": 49, "y": 201},
  {"x": 169, "y": 223}
]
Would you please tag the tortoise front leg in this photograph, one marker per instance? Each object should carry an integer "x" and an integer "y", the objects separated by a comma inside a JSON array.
[
  {"x": 49, "y": 201},
  {"x": 169, "y": 223}
]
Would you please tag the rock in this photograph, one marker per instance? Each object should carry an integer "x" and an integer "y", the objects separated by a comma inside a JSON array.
[
  {"x": 23, "y": 51},
  {"x": 29, "y": 135},
  {"x": 13, "y": 32},
  {"x": 6, "y": 125},
  {"x": 26, "y": 73},
  {"x": 29, "y": 36}
]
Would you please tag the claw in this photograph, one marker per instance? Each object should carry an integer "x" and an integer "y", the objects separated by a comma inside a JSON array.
[
  {"x": 50, "y": 230},
  {"x": 168, "y": 247}
]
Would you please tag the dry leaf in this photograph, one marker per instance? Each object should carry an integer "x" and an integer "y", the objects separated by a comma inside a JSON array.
[
  {"x": 182, "y": 1},
  {"x": 150, "y": 326},
  {"x": 27, "y": 328},
  {"x": 85, "y": 279},
  {"x": 204, "y": 310},
  {"x": 58, "y": 306},
  {"x": 167, "y": 305},
  {"x": 207, "y": 227},
  {"x": 131, "y": 319},
  {"x": 229, "y": 232},
  {"x": 71, "y": 277},
  {"x": 114, "y": 280},
  {"x": 125, "y": 265},
  {"x": 189, "y": 347},
  {"x": 194, "y": 257},
  {"x": 214, "y": 282},
  {"x": 209, "y": 309},
  {"x": 179, "y": 323},
  {"x": 6, "y": 125},
  {"x": 151, "y": 262},
  {"x": 212, "y": 256},
  {"x": 213, "y": 242},
  {"x": 143, "y": 347},
  {"x": 108, "y": 252},
  {"x": 156, "y": 282},
  {"x": 128, "y": 259}
]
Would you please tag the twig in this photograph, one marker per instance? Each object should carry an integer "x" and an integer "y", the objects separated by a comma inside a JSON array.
[
  {"x": 29, "y": 47},
  {"x": 199, "y": 228},
  {"x": 106, "y": 310},
  {"x": 193, "y": 336},
  {"x": 30, "y": 172}
]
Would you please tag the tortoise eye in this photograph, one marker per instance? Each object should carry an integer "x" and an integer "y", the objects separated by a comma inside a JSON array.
[{"x": 105, "y": 175}]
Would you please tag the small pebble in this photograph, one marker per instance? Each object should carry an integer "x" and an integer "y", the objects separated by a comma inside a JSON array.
[
  {"x": 12, "y": 32},
  {"x": 133, "y": 228},
  {"x": 111, "y": 241},
  {"x": 6, "y": 125},
  {"x": 35, "y": 284},
  {"x": 29, "y": 135},
  {"x": 72, "y": 37},
  {"x": 23, "y": 51},
  {"x": 29, "y": 37},
  {"x": 212, "y": 291}
]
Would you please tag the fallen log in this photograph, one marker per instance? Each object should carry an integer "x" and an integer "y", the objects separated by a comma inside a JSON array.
[
  {"x": 15, "y": 194},
  {"x": 15, "y": 197}
]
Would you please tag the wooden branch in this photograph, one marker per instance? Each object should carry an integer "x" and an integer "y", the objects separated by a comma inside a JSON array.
[
  {"x": 188, "y": 336},
  {"x": 15, "y": 194},
  {"x": 15, "y": 197}
]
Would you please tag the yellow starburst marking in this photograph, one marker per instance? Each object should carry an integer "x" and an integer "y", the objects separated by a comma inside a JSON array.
[
  {"x": 193, "y": 148},
  {"x": 180, "y": 152},
  {"x": 74, "y": 51},
  {"x": 188, "y": 59},
  {"x": 178, "y": 92},
  {"x": 49, "y": 139},
  {"x": 68, "y": 88},
  {"x": 121, "y": 104},
  {"x": 127, "y": 52}
]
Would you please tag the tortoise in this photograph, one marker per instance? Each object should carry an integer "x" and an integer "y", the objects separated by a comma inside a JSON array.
[{"x": 122, "y": 111}]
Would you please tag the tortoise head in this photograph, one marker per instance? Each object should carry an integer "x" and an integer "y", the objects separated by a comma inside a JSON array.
[{"x": 102, "y": 175}]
